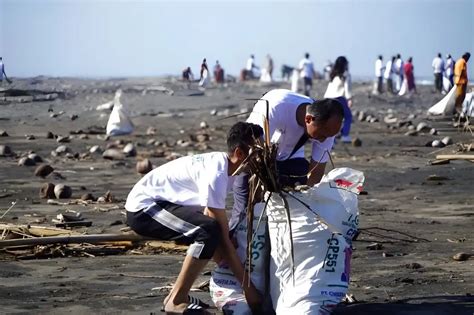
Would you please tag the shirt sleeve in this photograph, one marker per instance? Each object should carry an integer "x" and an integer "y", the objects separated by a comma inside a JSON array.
[{"x": 321, "y": 150}]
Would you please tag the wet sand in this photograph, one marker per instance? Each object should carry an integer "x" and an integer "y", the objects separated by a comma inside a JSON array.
[{"x": 410, "y": 276}]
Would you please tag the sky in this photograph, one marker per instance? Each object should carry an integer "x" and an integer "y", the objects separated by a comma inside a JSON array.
[{"x": 118, "y": 38}]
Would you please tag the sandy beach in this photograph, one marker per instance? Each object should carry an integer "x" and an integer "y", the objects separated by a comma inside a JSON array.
[{"x": 423, "y": 214}]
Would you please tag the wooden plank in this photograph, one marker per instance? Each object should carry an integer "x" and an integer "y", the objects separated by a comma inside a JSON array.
[{"x": 455, "y": 157}]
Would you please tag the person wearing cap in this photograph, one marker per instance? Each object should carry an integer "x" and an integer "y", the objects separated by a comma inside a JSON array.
[{"x": 461, "y": 80}]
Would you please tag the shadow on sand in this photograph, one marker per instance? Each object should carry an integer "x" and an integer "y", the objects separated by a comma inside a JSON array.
[{"x": 435, "y": 305}]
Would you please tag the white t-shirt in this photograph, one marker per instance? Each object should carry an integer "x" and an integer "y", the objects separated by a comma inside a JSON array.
[
  {"x": 379, "y": 68},
  {"x": 307, "y": 68},
  {"x": 438, "y": 65},
  {"x": 338, "y": 87},
  {"x": 449, "y": 66},
  {"x": 399, "y": 66},
  {"x": 250, "y": 65},
  {"x": 284, "y": 128},
  {"x": 199, "y": 180},
  {"x": 388, "y": 70}
]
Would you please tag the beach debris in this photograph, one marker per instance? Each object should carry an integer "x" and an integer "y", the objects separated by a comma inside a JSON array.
[
  {"x": 73, "y": 117},
  {"x": 469, "y": 157},
  {"x": 106, "y": 106},
  {"x": 26, "y": 161},
  {"x": 447, "y": 141},
  {"x": 422, "y": 127},
  {"x": 35, "y": 157},
  {"x": 96, "y": 149},
  {"x": 62, "y": 149},
  {"x": 119, "y": 122},
  {"x": 63, "y": 139},
  {"x": 390, "y": 119},
  {"x": 374, "y": 246},
  {"x": 413, "y": 265},
  {"x": 438, "y": 162},
  {"x": 151, "y": 131},
  {"x": 30, "y": 137},
  {"x": 106, "y": 198},
  {"x": 113, "y": 154},
  {"x": 411, "y": 133},
  {"x": 62, "y": 191},
  {"x": 88, "y": 196},
  {"x": 203, "y": 125},
  {"x": 130, "y": 150},
  {"x": 43, "y": 170},
  {"x": 3, "y": 133},
  {"x": 356, "y": 142},
  {"x": 437, "y": 144},
  {"x": 461, "y": 256},
  {"x": 437, "y": 177},
  {"x": 433, "y": 131},
  {"x": 5, "y": 150},
  {"x": 213, "y": 112},
  {"x": 47, "y": 191},
  {"x": 144, "y": 166},
  {"x": 361, "y": 116}
]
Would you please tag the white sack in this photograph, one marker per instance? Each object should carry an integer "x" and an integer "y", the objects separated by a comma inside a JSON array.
[
  {"x": 446, "y": 105},
  {"x": 205, "y": 79},
  {"x": 446, "y": 85},
  {"x": 119, "y": 121},
  {"x": 295, "y": 77},
  {"x": 404, "y": 88},
  {"x": 322, "y": 251},
  {"x": 226, "y": 291}
]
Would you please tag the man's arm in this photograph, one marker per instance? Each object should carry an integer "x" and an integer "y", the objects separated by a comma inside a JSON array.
[
  {"x": 317, "y": 172},
  {"x": 227, "y": 251}
]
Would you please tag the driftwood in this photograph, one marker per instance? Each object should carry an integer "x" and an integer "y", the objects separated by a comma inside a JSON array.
[
  {"x": 455, "y": 157},
  {"x": 68, "y": 239}
]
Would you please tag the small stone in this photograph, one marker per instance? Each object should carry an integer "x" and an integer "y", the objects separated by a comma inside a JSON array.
[
  {"x": 144, "y": 166},
  {"x": 368, "y": 118},
  {"x": 3, "y": 133},
  {"x": 389, "y": 119},
  {"x": 437, "y": 144},
  {"x": 26, "y": 161},
  {"x": 158, "y": 153},
  {"x": 373, "y": 120},
  {"x": 5, "y": 150},
  {"x": 213, "y": 112},
  {"x": 433, "y": 131},
  {"x": 447, "y": 140},
  {"x": 61, "y": 139},
  {"x": 44, "y": 170},
  {"x": 74, "y": 117},
  {"x": 49, "y": 135},
  {"x": 87, "y": 196},
  {"x": 129, "y": 150},
  {"x": 411, "y": 127},
  {"x": 183, "y": 143},
  {"x": 62, "y": 191},
  {"x": 113, "y": 154},
  {"x": 30, "y": 137},
  {"x": 413, "y": 266},
  {"x": 356, "y": 142},
  {"x": 62, "y": 149},
  {"x": 95, "y": 150},
  {"x": 47, "y": 191},
  {"x": 461, "y": 256},
  {"x": 84, "y": 137},
  {"x": 151, "y": 131},
  {"x": 411, "y": 116},
  {"x": 35, "y": 157},
  {"x": 422, "y": 126},
  {"x": 150, "y": 142},
  {"x": 203, "y": 125},
  {"x": 436, "y": 177}
]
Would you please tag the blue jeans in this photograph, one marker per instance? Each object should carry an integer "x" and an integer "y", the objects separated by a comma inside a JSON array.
[{"x": 346, "y": 127}]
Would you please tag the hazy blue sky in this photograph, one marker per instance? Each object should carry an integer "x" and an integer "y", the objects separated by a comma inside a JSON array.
[{"x": 142, "y": 38}]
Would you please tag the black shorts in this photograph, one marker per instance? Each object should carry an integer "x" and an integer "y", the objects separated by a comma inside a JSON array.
[{"x": 184, "y": 224}]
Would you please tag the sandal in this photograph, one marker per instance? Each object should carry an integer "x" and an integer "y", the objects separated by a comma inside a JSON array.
[
  {"x": 191, "y": 308},
  {"x": 192, "y": 300}
]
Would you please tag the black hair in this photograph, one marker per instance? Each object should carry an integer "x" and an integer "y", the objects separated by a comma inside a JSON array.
[
  {"x": 324, "y": 109},
  {"x": 380, "y": 57},
  {"x": 306, "y": 55},
  {"x": 393, "y": 58},
  {"x": 399, "y": 56},
  {"x": 243, "y": 135},
  {"x": 466, "y": 56},
  {"x": 410, "y": 59},
  {"x": 340, "y": 66},
  {"x": 439, "y": 55}
]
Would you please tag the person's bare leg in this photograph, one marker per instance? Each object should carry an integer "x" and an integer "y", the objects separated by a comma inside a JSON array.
[{"x": 177, "y": 300}]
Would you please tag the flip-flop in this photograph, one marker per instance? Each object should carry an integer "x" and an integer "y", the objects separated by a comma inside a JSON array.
[
  {"x": 192, "y": 300},
  {"x": 190, "y": 309}
]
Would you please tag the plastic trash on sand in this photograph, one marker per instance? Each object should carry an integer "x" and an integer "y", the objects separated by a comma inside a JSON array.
[
  {"x": 119, "y": 121},
  {"x": 446, "y": 105},
  {"x": 205, "y": 79},
  {"x": 322, "y": 238}
]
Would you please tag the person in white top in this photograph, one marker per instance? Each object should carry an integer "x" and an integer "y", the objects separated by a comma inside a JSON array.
[
  {"x": 306, "y": 69},
  {"x": 449, "y": 69},
  {"x": 294, "y": 120},
  {"x": 249, "y": 68},
  {"x": 399, "y": 72},
  {"x": 388, "y": 74},
  {"x": 379, "y": 69},
  {"x": 184, "y": 200},
  {"x": 438, "y": 69},
  {"x": 340, "y": 88},
  {"x": 2, "y": 72}
]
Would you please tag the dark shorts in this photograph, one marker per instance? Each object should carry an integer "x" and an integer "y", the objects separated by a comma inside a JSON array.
[{"x": 184, "y": 224}]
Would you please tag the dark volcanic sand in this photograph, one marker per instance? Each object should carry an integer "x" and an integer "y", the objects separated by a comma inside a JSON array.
[{"x": 399, "y": 197}]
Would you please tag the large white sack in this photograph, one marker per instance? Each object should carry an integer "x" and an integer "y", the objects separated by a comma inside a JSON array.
[
  {"x": 265, "y": 76},
  {"x": 446, "y": 105},
  {"x": 119, "y": 121},
  {"x": 321, "y": 243},
  {"x": 226, "y": 291},
  {"x": 446, "y": 85},
  {"x": 404, "y": 88},
  {"x": 205, "y": 79},
  {"x": 295, "y": 78}
]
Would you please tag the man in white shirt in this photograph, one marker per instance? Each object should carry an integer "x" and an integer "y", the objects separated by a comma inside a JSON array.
[
  {"x": 294, "y": 120},
  {"x": 306, "y": 68},
  {"x": 449, "y": 69},
  {"x": 184, "y": 200},
  {"x": 2, "y": 72},
  {"x": 388, "y": 74},
  {"x": 379, "y": 69},
  {"x": 250, "y": 66},
  {"x": 399, "y": 72},
  {"x": 438, "y": 69}
]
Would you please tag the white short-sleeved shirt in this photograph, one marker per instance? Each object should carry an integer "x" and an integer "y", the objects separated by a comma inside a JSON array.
[
  {"x": 438, "y": 65},
  {"x": 339, "y": 87},
  {"x": 449, "y": 66},
  {"x": 388, "y": 70},
  {"x": 284, "y": 129},
  {"x": 379, "y": 68},
  {"x": 250, "y": 64},
  {"x": 199, "y": 180},
  {"x": 307, "y": 68}
]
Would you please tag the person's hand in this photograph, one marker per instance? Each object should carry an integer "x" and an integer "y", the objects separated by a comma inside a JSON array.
[
  {"x": 254, "y": 299},
  {"x": 349, "y": 103}
]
